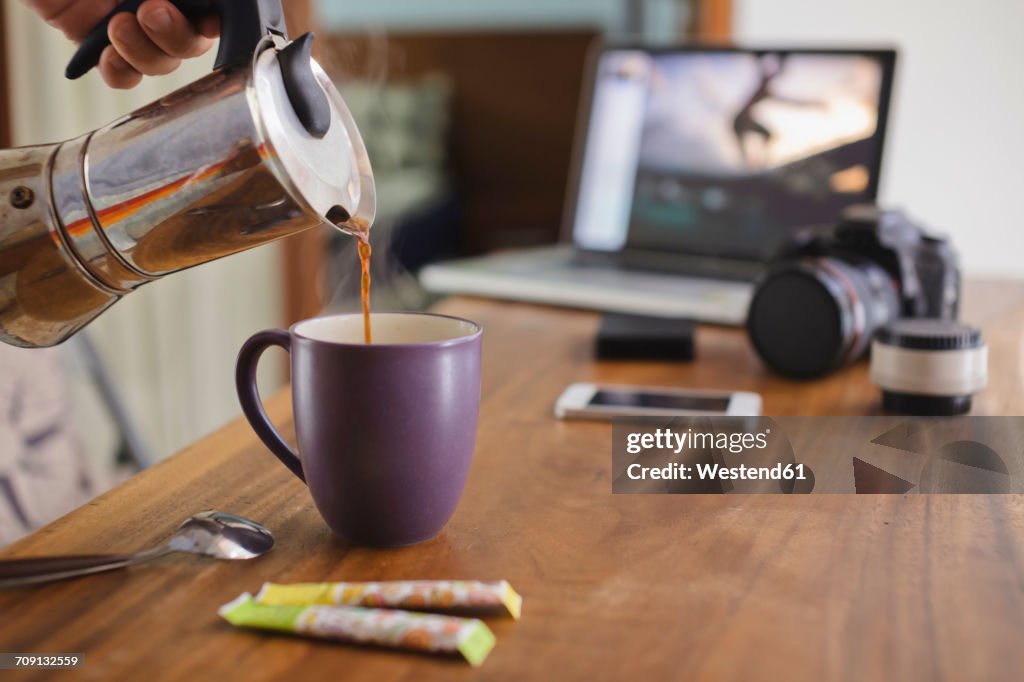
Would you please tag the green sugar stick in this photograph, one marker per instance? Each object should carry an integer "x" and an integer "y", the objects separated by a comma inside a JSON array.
[{"x": 469, "y": 637}]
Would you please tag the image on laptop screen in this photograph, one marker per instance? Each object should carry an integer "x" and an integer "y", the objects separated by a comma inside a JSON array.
[{"x": 725, "y": 152}]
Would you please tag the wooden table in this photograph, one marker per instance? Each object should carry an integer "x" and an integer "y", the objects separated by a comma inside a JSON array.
[{"x": 616, "y": 586}]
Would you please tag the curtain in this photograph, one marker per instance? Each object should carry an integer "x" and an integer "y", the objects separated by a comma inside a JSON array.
[{"x": 169, "y": 346}]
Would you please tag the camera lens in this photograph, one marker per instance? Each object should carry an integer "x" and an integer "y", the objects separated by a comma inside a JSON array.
[
  {"x": 811, "y": 315},
  {"x": 929, "y": 367}
]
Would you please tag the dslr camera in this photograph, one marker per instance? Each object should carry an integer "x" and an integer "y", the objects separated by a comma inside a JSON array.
[{"x": 821, "y": 300}]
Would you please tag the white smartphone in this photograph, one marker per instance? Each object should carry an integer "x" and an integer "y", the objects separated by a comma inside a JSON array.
[{"x": 604, "y": 401}]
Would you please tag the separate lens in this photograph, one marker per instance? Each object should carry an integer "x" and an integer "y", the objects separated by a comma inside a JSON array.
[
  {"x": 812, "y": 315},
  {"x": 928, "y": 367}
]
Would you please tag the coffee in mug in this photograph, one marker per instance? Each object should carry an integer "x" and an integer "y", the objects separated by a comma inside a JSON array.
[{"x": 386, "y": 430}]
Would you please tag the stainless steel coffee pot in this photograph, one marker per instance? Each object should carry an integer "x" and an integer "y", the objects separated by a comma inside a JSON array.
[{"x": 260, "y": 149}]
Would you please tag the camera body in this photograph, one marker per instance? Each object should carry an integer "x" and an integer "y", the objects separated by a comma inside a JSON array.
[
  {"x": 924, "y": 266},
  {"x": 825, "y": 295}
]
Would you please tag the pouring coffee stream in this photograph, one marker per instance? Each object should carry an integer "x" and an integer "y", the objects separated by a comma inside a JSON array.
[
  {"x": 364, "y": 266},
  {"x": 260, "y": 149}
]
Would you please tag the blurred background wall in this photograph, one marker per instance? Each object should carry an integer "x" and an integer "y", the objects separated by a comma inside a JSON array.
[
  {"x": 956, "y": 141},
  {"x": 469, "y": 110},
  {"x": 653, "y": 19}
]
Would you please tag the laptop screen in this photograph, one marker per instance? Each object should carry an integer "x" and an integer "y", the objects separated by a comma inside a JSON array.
[{"x": 724, "y": 152}]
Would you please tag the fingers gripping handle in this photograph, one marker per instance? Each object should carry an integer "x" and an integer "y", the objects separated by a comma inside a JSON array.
[
  {"x": 249, "y": 397},
  {"x": 243, "y": 23}
]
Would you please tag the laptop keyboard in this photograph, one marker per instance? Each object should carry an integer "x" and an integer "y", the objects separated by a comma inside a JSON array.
[
  {"x": 628, "y": 279},
  {"x": 555, "y": 276},
  {"x": 562, "y": 267},
  {"x": 679, "y": 266}
]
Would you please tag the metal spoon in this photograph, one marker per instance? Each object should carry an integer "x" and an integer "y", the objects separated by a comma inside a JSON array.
[{"x": 210, "y": 533}]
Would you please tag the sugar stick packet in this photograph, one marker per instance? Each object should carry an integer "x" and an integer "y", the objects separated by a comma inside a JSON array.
[
  {"x": 382, "y": 627},
  {"x": 419, "y": 595}
]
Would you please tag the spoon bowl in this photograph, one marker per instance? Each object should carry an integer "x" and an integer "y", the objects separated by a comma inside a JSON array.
[{"x": 222, "y": 536}]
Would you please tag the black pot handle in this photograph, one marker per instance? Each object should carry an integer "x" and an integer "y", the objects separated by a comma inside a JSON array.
[{"x": 243, "y": 23}]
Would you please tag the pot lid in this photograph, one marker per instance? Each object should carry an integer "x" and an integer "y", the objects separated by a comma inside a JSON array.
[{"x": 329, "y": 169}]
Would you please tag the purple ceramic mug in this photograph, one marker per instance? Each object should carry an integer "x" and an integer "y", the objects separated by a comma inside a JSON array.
[{"x": 386, "y": 430}]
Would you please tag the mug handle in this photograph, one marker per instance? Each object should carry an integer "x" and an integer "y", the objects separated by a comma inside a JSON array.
[{"x": 249, "y": 396}]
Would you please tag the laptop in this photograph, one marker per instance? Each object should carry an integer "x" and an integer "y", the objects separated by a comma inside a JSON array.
[{"x": 693, "y": 166}]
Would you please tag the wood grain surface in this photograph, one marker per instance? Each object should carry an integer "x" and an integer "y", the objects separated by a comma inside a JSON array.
[{"x": 822, "y": 587}]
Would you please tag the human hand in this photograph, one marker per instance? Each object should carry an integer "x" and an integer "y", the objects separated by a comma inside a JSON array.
[{"x": 151, "y": 42}]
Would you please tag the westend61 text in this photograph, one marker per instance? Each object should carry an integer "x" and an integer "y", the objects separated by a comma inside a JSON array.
[{"x": 709, "y": 472}]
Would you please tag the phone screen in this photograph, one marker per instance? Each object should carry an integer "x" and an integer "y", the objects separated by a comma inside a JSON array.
[{"x": 664, "y": 401}]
